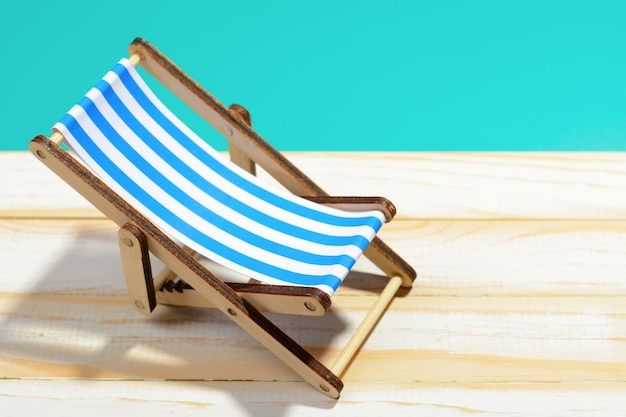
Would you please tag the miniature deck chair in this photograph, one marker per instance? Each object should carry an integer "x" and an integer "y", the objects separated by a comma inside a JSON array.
[{"x": 176, "y": 197}]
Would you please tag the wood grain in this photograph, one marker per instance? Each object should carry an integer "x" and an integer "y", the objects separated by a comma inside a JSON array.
[
  {"x": 421, "y": 185},
  {"x": 483, "y": 340},
  {"x": 195, "y": 398},
  {"x": 519, "y": 307},
  {"x": 456, "y": 258}
]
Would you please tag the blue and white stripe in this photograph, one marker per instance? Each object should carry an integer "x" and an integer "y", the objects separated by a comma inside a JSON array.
[{"x": 150, "y": 158}]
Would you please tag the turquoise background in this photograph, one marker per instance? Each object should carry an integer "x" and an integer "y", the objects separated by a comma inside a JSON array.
[{"x": 325, "y": 75}]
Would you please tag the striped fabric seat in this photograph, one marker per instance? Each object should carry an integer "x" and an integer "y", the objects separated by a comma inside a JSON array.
[{"x": 129, "y": 139}]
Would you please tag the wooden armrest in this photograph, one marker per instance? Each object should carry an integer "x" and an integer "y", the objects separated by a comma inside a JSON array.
[{"x": 357, "y": 204}]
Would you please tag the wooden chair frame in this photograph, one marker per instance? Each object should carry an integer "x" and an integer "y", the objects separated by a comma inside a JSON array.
[{"x": 241, "y": 302}]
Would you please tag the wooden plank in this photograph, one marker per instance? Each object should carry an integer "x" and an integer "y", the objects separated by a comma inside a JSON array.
[
  {"x": 519, "y": 306},
  {"x": 459, "y": 258},
  {"x": 421, "y": 185},
  {"x": 514, "y": 257},
  {"x": 434, "y": 340},
  {"x": 72, "y": 257},
  {"x": 149, "y": 398},
  {"x": 30, "y": 190}
]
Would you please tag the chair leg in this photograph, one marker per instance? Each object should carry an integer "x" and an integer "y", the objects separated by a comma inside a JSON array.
[
  {"x": 137, "y": 269},
  {"x": 367, "y": 325}
]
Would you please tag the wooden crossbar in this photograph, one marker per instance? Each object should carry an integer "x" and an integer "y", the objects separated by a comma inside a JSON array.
[{"x": 367, "y": 325}]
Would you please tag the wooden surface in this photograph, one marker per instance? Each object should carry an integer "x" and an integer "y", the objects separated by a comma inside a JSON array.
[{"x": 519, "y": 307}]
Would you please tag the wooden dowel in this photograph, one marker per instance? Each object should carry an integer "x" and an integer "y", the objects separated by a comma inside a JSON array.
[
  {"x": 134, "y": 59},
  {"x": 366, "y": 327},
  {"x": 57, "y": 138}
]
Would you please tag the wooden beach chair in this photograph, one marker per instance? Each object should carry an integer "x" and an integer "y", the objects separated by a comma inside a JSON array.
[{"x": 174, "y": 196}]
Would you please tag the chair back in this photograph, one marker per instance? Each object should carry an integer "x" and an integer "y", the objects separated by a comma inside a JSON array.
[{"x": 157, "y": 164}]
